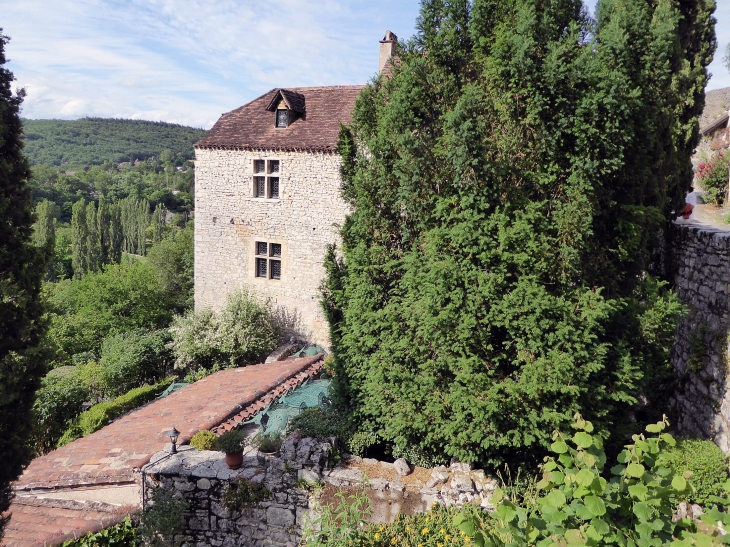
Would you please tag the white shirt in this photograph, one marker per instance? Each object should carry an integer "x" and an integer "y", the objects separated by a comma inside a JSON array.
[{"x": 691, "y": 199}]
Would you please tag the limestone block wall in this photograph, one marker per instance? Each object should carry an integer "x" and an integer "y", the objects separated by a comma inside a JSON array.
[
  {"x": 229, "y": 221},
  {"x": 699, "y": 264},
  {"x": 202, "y": 477}
]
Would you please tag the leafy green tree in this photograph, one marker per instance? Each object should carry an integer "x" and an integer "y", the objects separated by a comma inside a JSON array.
[
  {"x": 79, "y": 239},
  {"x": 173, "y": 261},
  {"x": 506, "y": 185},
  {"x": 120, "y": 298},
  {"x": 22, "y": 266},
  {"x": 134, "y": 218}
]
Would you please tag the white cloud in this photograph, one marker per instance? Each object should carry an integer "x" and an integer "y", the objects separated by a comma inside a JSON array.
[{"x": 187, "y": 61}]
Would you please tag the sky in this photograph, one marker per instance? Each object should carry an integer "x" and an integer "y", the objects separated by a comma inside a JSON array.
[{"x": 188, "y": 61}]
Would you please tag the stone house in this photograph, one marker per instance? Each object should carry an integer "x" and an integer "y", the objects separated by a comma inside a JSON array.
[{"x": 268, "y": 201}]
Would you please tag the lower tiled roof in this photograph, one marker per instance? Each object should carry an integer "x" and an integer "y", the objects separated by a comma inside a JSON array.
[{"x": 114, "y": 454}]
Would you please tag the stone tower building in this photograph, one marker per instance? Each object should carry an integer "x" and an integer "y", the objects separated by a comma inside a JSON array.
[{"x": 267, "y": 199}]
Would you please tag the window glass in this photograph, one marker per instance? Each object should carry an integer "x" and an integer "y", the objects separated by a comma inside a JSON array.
[
  {"x": 276, "y": 249},
  {"x": 260, "y": 185},
  {"x": 261, "y": 248},
  {"x": 273, "y": 166},
  {"x": 260, "y": 267},
  {"x": 259, "y": 166},
  {"x": 282, "y": 118},
  {"x": 274, "y": 187},
  {"x": 275, "y": 269}
]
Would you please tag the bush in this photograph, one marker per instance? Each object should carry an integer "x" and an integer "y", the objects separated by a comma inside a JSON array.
[
  {"x": 713, "y": 177},
  {"x": 321, "y": 423},
  {"x": 163, "y": 519},
  {"x": 132, "y": 359},
  {"x": 100, "y": 415},
  {"x": 707, "y": 463},
  {"x": 58, "y": 401},
  {"x": 267, "y": 442},
  {"x": 241, "y": 492},
  {"x": 123, "y": 534},
  {"x": 195, "y": 375},
  {"x": 244, "y": 332},
  {"x": 417, "y": 456},
  {"x": 94, "y": 377},
  {"x": 204, "y": 440},
  {"x": 576, "y": 504},
  {"x": 230, "y": 442},
  {"x": 361, "y": 441}
]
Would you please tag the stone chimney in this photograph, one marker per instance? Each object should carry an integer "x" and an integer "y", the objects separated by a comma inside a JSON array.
[{"x": 387, "y": 48}]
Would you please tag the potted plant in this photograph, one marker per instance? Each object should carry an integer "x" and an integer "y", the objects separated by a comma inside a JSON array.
[
  {"x": 231, "y": 444},
  {"x": 267, "y": 443}
]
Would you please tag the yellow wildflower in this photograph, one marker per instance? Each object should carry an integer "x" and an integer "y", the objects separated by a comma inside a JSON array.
[
  {"x": 377, "y": 536},
  {"x": 442, "y": 531},
  {"x": 424, "y": 531},
  {"x": 447, "y": 537}
]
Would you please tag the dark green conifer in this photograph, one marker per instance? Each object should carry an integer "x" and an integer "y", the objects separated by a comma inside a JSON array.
[
  {"x": 22, "y": 267},
  {"x": 507, "y": 184}
]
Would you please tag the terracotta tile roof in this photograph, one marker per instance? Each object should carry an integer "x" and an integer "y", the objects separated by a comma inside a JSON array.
[
  {"x": 37, "y": 522},
  {"x": 251, "y": 410},
  {"x": 251, "y": 127},
  {"x": 113, "y": 455}
]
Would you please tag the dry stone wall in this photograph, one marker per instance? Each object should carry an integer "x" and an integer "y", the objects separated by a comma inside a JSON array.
[
  {"x": 202, "y": 478},
  {"x": 699, "y": 264},
  {"x": 229, "y": 221}
]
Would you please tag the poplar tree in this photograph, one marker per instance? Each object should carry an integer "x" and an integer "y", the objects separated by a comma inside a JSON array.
[
  {"x": 116, "y": 234},
  {"x": 79, "y": 239},
  {"x": 507, "y": 184},
  {"x": 103, "y": 227},
  {"x": 93, "y": 239},
  {"x": 21, "y": 270},
  {"x": 44, "y": 231},
  {"x": 158, "y": 223}
]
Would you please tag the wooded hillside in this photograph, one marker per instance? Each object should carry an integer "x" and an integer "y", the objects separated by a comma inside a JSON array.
[{"x": 92, "y": 141}]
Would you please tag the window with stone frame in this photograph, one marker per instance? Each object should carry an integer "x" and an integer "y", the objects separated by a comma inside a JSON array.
[
  {"x": 266, "y": 178},
  {"x": 268, "y": 260}
]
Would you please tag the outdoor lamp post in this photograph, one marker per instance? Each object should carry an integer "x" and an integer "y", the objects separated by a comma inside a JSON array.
[{"x": 173, "y": 433}]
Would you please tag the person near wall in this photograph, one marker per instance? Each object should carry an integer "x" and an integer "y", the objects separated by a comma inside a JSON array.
[{"x": 690, "y": 202}]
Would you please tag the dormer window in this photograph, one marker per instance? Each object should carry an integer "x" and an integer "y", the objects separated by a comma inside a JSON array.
[
  {"x": 287, "y": 106},
  {"x": 282, "y": 118}
]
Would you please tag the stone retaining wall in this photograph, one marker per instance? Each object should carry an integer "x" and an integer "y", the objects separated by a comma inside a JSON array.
[
  {"x": 698, "y": 263},
  {"x": 202, "y": 477}
]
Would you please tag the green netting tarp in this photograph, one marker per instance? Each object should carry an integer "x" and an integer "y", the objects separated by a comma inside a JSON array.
[{"x": 276, "y": 416}]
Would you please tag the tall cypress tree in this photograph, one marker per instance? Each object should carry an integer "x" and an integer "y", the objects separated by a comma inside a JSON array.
[
  {"x": 79, "y": 239},
  {"x": 506, "y": 186},
  {"x": 21, "y": 270}
]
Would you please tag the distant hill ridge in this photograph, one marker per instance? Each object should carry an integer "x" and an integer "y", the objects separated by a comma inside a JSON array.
[{"x": 92, "y": 141}]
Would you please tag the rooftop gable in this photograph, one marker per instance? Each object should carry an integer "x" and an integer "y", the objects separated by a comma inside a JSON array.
[{"x": 251, "y": 127}]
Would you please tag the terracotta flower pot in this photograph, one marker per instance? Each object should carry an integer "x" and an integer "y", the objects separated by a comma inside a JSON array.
[{"x": 234, "y": 461}]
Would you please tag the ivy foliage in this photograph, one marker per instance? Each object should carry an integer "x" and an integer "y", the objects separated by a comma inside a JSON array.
[
  {"x": 506, "y": 186},
  {"x": 123, "y": 534},
  {"x": 578, "y": 506}
]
